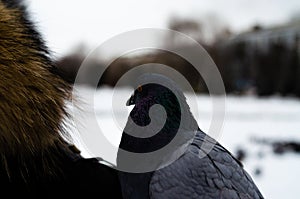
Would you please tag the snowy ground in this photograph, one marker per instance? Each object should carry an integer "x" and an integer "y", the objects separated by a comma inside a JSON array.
[{"x": 246, "y": 118}]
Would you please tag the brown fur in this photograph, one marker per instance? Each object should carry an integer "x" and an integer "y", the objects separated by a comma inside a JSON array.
[{"x": 32, "y": 96}]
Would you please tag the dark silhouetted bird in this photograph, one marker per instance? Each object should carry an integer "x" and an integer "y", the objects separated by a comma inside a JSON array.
[{"x": 195, "y": 166}]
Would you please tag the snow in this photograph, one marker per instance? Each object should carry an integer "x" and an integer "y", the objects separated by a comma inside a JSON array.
[{"x": 247, "y": 118}]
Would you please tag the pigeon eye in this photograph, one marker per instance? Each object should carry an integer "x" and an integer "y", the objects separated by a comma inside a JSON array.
[{"x": 140, "y": 88}]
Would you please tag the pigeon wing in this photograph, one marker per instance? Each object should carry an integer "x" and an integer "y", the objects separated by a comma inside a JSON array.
[{"x": 199, "y": 173}]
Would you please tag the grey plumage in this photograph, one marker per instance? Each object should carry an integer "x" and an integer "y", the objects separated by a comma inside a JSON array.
[
  {"x": 204, "y": 169},
  {"x": 216, "y": 175}
]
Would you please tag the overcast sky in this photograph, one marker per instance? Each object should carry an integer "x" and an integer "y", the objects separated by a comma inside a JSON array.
[{"x": 66, "y": 23}]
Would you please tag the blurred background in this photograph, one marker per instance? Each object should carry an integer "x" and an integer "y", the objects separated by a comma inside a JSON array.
[{"x": 255, "y": 45}]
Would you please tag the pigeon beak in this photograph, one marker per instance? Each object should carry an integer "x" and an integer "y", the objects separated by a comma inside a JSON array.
[{"x": 130, "y": 101}]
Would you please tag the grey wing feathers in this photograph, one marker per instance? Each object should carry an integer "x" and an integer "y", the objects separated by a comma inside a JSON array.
[{"x": 217, "y": 175}]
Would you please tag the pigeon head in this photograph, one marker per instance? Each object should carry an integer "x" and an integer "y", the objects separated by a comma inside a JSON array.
[
  {"x": 151, "y": 90},
  {"x": 148, "y": 95}
]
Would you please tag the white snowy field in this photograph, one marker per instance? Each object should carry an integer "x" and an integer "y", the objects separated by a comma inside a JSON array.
[{"x": 246, "y": 118}]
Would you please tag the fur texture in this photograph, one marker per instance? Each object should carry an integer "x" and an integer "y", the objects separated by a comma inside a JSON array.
[{"x": 32, "y": 96}]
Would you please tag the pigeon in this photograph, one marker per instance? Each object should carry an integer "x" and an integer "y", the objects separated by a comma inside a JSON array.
[{"x": 195, "y": 166}]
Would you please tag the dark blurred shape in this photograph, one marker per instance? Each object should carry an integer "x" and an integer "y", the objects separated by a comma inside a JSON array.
[
  {"x": 240, "y": 154},
  {"x": 279, "y": 146},
  {"x": 263, "y": 61},
  {"x": 284, "y": 147},
  {"x": 258, "y": 171},
  {"x": 266, "y": 60},
  {"x": 256, "y": 28},
  {"x": 122, "y": 65},
  {"x": 69, "y": 65}
]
